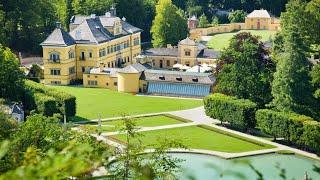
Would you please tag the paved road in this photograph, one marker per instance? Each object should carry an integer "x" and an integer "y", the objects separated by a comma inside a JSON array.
[{"x": 196, "y": 115}]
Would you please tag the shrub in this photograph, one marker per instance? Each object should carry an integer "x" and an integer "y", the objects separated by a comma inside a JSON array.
[
  {"x": 66, "y": 102},
  {"x": 239, "y": 113},
  {"x": 295, "y": 128},
  {"x": 311, "y": 135},
  {"x": 46, "y": 105}
]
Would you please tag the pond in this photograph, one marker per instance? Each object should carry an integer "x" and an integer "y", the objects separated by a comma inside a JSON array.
[{"x": 205, "y": 167}]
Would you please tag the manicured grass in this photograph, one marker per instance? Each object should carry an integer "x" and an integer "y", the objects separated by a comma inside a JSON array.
[
  {"x": 195, "y": 137},
  {"x": 94, "y": 101},
  {"x": 220, "y": 41},
  {"x": 150, "y": 121}
]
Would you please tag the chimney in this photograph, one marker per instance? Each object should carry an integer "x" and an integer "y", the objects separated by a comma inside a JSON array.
[
  {"x": 58, "y": 25},
  {"x": 124, "y": 19},
  {"x": 93, "y": 16},
  {"x": 113, "y": 11}
]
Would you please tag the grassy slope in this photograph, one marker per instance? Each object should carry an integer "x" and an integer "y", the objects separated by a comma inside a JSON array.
[
  {"x": 220, "y": 41},
  {"x": 199, "y": 138},
  {"x": 92, "y": 101}
]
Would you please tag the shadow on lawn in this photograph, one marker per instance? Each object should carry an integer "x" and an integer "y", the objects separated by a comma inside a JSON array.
[{"x": 82, "y": 120}]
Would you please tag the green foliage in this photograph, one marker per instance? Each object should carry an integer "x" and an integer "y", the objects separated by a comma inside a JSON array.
[
  {"x": 87, "y": 7},
  {"x": 203, "y": 21},
  {"x": 244, "y": 71},
  {"x": 169, "y": 25},
  {"x": 11, "y": 77},
  {"x": 237, "y": 16},
  {"x": 215, "y": 21},
  {"x": 46, "y": 105},
  {"x": 66, "y": 103},
  {"x": 315, "y": 76},
  {"x": 298, "y": 129},
  {"x": 239, "y": 113},
  {"x": 48, "y": 138}
]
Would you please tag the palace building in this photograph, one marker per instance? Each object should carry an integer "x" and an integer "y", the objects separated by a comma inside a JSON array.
[
  {"x": 93, "y": 41},
  {"x": 187, "y": 53}
]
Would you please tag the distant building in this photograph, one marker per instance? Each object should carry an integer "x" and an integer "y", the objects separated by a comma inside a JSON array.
[
  {"x": 193, "y": 22},
  {"x": 15, "y": 111},
  {"x": 187, "y": 53},
  {"x": 140, "y": 78},
  {"x": 256, "y": 20},
  {"x": 93, "y": 41}
]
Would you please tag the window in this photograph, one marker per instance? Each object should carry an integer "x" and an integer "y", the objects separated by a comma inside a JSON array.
[
  {"x": 168, "y": 63},
  {"x": 114, "y": 48},
  {"x": 56, "y": 82},
  {"x": 161, "y": 63},
  {"x": 108, "y": 64},
  {"x": 71, "y": 54},
  {"x": 83, "y": 69},
  {"x": 54, "y": 57},
  {"x": 90, "y": 54},
  {"x": 115, "y": 84},
  {"x": 102, "y": 52},
  {"x": 55, "y": 72},
  {"x": 107, "y": 84},
  {"x": 82, "y": 56},
  {"x": 72, "y": 70},
  {"x": 92, "y": 83},
  {"x": 136, "y": 41},
  {"x": 118, "y": 47},
  {"x": 108, "y": 49},
  {"x": 128, "y": 44},
  {"x": 179, "y": 78},
  {"x": 187, "y": 53}
]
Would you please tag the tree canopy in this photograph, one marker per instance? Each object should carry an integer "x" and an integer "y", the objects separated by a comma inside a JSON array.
[
  {"x": 244, "y": 69},
  {"x": 237, "y": 16},
  {"x": 169, "y": 25}
]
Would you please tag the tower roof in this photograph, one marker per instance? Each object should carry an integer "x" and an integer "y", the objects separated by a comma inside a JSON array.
[
  {"x": 259, "y": 14},
  {"x": 187, "y": 41},
  {"x": 58, "y": 38}
]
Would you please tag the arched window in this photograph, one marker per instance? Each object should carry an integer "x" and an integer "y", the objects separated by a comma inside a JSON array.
[{"x": 54, "y": 57}]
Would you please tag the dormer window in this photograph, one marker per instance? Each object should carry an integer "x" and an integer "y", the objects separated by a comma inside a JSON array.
[
  {"x": 54, "y": 57},
  {"x": 162, "y": 78}
]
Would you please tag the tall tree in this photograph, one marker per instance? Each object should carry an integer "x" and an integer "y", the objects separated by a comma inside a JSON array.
[
  {"x": 246, "y": 70},
  {"x": 145, "y": 10},
  {"x": 11, "y": 77},
  {"x": 87, "y": 7},
  {"x": 169, "y": 25},
  {"x": 291, "y": 88},
  {"x": 203, "y": 21},
  {"x": 237, "y": 16}
]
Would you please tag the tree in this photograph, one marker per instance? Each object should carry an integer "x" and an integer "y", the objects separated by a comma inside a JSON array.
[
  {"x": 237, "y": 16},
  {"x": 11, "y": 77},
  {"x": 291, "y": 88},
  {"x": 215, "y": 21},
  {"x": 315, "y": 76},
  {"x": 203, "y": 21},
  {"x": 133, "y": 163},
  {"x": 245, "y": 71},
  {"x": 87, "y": 7},
  {"x": 146, "y": 11},
  {"x": 169, "y": 25}
]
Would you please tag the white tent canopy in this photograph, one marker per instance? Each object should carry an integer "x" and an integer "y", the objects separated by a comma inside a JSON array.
[
  {"x": 198, "y": 68},
  {"x": 184, "y": 67},
  {"x": 177, "y": 65}
]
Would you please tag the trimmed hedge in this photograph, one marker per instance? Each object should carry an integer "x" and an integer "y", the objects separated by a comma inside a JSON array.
[
  {"x": 47, "y": 105},
  {"x": 239, "y": 113},
  {"x": 294, "y": 128},
  {"x": 66, "y": 103}
]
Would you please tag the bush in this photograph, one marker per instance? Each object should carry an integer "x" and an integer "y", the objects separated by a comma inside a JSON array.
[
  {"x": 46, "y": 105},
  {"x": 295, "y": 128},
  {"x": 66, "y": 102},
  {"x": 239, "y": 113}
]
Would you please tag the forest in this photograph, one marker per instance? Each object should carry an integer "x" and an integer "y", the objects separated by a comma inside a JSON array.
[{"x": 31, "y": 21}]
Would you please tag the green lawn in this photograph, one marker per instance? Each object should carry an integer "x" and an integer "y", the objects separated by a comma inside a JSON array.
[
  {"x": 94, "y": 101},
  {"x": 220, "y": 41},
  {"x": 150, "y": 121},
  {"x": 195, "y": 137}
]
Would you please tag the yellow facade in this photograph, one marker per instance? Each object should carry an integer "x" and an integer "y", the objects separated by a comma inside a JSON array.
[
  {"x": 128, "y": 82},
  {"x": 100, "y": 80},
  {"x": 60, "y": 71}
]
